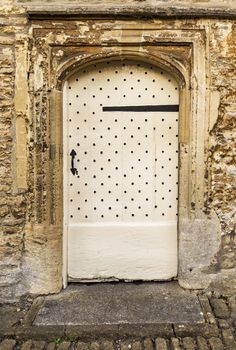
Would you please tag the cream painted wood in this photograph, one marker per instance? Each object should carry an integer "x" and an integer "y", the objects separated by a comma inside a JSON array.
[
  {"x": 134, "y": 251},
  {"x": 120, "y": 205}
]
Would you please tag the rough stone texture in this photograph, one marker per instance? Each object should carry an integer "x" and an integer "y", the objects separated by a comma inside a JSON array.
[
  {"x": 83, "y": 346},
  {"x": 107, "y": 345},
  {"x": 189, "y": 343},
  {"x": 66, "y": 345},
  {"x": 95, "y": 345},
  {"x": 220, "y": 308},
  {"x": 10, "y": 317},
  {"x": 202, "y": 343},
  {"x": 27, "y": 345},
  {"x": 175, "y": 344},
  {"x": 221, "y": 157},
  {"x": 112, "y": 304},
  {"x": 224, "y": 8},
  {"x": 232, "y": 307},
  {"x": 51, "y": 346},
  {"x": 30, "y": 243},
  {"x": 136, "y": 345},
  {"x": 161, "y": 344},
  {"x": 226, "y": 340},
  {"x": 148, "y": 344},
  {"x": 7, "y": 344},
  {"x": 216, "y": 344},
  {"x": 39, "y": 345},
  {"x": 12, "y": 200}
]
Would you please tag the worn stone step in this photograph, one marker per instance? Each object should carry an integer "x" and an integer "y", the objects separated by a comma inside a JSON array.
[{"x": 119, "y": 310}]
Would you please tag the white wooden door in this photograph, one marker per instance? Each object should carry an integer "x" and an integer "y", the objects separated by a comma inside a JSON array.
[{"x": 121, "y": 172}]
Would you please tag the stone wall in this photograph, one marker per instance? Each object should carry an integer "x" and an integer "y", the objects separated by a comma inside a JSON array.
[
  {"x": 28, "y": 263},
  {"x": 223, "y": 141},
  {"x": 12, "y": 192}
]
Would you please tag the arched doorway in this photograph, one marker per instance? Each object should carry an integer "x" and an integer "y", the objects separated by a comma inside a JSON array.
[{"x": 121, "y": 172}]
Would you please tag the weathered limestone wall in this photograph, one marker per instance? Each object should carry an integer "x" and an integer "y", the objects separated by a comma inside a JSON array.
[
  {"x": 30, "y": 241},
  {"x": 222, "y": 150},
  {"x": 161, "y": 6},
  {"x": 13, "y": 188}
]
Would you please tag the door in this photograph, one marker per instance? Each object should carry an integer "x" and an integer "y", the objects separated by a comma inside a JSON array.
[{"x": 121, "y": 172}]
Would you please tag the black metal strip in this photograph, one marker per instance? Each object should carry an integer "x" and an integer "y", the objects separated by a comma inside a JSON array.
[{"x": 147, "y": 108}]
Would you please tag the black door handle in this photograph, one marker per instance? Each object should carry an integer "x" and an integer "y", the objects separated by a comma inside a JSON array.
[{"x": 73, "y": 169}]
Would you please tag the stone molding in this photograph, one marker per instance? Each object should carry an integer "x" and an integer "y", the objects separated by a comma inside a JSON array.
[
  {"x": 68, "y": 48},
  {"x": 133, "y": 9}
]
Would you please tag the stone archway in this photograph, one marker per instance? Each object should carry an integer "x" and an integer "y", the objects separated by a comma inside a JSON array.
[{"x": 182, "y": 55}]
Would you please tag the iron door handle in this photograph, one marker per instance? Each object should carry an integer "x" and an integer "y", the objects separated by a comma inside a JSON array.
[{"x": 73, "y": 169}]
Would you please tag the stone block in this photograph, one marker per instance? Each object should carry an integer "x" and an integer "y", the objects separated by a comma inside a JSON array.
[
  {"x": 175, "y": 344},
  {"x": 26, "y": 345},
  {"x": 64, "y": 346},
  {"x": 125, "y": 345},
  {"x": 81, "y": 346},
  {"x": 202, "y": 343},
  {"x": 4, "y": 210},
  {"x": 223, "y": 324},
  {"x": 216, "y": 344},
  {"x": 161, "y": 344},
  {"x": 40, "y": 332},
  {"x": 7, "y": 344},
  {"x": 189, "y": 343},
  {"x": 107, "y": 345},
  {"x": 6, "y": 40},
  {"x": 207, "y": 330},
  {"x": 95, "y": 345},
  {"x": 9, "y": 317},
  {"x": 39, "y": 344},
  {"x": 6, "y": 70},
  {"x": 232, "y": 304},
  {"x": 148, "y": 344},
  {"x": 220, "y": 308},
  {"x": 228, "y": 339},
  {"x": 136, "y": 345}
]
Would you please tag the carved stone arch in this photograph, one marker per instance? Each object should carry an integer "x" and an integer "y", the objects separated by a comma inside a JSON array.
[
  {"x": 182, "y": 53},
  {"x": 164, "y": 61}
]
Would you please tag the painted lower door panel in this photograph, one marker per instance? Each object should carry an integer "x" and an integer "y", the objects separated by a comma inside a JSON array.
[{"x": 130, "y": 251}]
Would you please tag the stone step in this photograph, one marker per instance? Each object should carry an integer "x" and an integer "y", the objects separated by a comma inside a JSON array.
[{"x": 120, "y": 310}]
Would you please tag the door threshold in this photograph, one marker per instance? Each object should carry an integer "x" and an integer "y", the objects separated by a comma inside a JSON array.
[
  {"x": 122, "y": 309},
  {"x": 117, "y": 280}
]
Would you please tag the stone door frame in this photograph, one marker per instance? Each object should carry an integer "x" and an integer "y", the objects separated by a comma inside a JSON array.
[{"x": 58, "y": 51}]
